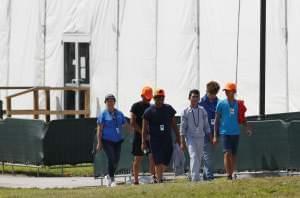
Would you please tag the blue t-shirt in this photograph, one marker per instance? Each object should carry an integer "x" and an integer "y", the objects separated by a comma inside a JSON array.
[
  {"x": 229, "y": 117},
  {"x": 210, "y": 107},
  {"x": 112, "y": 124}
]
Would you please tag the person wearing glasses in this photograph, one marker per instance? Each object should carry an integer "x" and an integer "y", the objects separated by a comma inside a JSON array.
[
  {"x": 158, "y": 122},
  {"x": 109, "y": 127},
  {"x": 194, "y": 127}
]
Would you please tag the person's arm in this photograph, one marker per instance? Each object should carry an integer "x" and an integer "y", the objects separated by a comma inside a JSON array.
[
  {"x": 176, "y": 130},
  {"x": 145, "y": 132},
  {"x": 216, "y": 127},
  {"x": 99, "y": 136},
  {"x": 134, "y": 124},
  {"x": 248, "y": 128},
  {"x": 207, "y": 129},
  {"x": 183, "y": 129}
]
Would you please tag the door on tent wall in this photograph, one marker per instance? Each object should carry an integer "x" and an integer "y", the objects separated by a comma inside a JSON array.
[{"x": 76, "y": 69}]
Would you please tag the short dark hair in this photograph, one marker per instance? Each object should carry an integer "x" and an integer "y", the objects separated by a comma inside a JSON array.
[
  {"x": 212, "y": 87},
  {"x": 108, "y": 97},
  {"x": 194, "y": 91}
]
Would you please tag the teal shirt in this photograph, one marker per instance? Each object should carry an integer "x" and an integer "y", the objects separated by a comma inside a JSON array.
[{"x": 228, "y": 117}]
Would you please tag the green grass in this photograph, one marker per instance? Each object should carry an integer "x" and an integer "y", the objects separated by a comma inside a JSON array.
[
  {"x": 83, "y": 170},
  {"x": 255, "y": 187}
]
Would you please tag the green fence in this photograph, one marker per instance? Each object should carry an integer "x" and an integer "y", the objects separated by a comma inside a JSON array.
[
  {"x": 273, "y": 145},
  {"x": 21, "y": 141}
]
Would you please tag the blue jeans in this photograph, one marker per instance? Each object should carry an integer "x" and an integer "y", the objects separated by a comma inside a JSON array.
[{"x": 208, "y": 169}]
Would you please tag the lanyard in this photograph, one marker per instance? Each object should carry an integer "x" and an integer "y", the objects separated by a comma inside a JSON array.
[
  {"x": 196, "y": 123},
  {"x": 231, "y": 105},
  {"x": 114, "y": 118}
]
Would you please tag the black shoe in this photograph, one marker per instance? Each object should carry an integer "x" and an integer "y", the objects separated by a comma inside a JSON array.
[
  {"x": 229, "y": 177},
  {"x": 136, "y": 183}
]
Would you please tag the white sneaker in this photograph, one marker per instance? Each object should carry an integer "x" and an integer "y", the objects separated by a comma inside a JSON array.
[
  {"x": 107, "y": 180},
  {"x": 113, "y": 184}
]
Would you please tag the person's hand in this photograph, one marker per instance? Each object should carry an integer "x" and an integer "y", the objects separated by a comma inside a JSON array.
[
  {"x": 99, "y": 146},
  {"x": 177, "y": 141},
  {"x": 144, "y": 146},
  {"x": 214, "y": 141},
  {"x": 183, "y": 146}
]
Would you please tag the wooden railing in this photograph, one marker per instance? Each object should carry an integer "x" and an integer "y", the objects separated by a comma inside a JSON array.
[{"x": 36, "y": 111}]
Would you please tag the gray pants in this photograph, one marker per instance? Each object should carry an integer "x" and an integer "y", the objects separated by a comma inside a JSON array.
[{"x": 195, "y": 147}]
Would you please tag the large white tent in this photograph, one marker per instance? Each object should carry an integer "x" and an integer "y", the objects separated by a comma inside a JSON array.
[{"x": 154, "y": 42}]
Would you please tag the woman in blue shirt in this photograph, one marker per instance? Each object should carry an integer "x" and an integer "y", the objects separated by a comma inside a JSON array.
[{"x": 110, "y": 123}]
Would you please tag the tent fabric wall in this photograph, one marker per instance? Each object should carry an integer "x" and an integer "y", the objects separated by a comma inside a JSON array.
[
  {"x": 4, "y": 42},
  {"x": 157, "y": 47}
]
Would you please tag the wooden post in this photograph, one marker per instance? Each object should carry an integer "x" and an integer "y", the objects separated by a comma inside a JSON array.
[
  {"x": 8, "y": 106},
  {"x": 87, "y": 103},
  {"x": 47, "y": 115},
  {"x": 36, "y": 103}
]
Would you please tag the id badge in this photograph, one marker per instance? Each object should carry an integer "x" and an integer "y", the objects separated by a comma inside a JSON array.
[
  {"x": 198, "y": 130},
  {"x": 118, "y": 130},
  {"x": 212, "y": 121},
  {"x": 162, "y": 127},
  {"x": 231, "y": 111}
]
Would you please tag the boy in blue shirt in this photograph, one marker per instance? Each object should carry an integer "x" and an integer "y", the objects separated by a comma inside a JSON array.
[
  {"x": 209, "y": 103},
  {"x": 226, "y": 124}
]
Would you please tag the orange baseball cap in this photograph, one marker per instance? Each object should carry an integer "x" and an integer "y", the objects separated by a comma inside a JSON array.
[
  {"x": 159, "y": 92},
  {"x": 147, "y": 92},
  {"x": 230, "y": 86}
]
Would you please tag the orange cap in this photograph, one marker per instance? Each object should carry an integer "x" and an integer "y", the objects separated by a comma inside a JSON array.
[
  {"x": 147, "y": 93},
  {"x": 159, "y": 92},
  {"x": 230, "y": 87}
]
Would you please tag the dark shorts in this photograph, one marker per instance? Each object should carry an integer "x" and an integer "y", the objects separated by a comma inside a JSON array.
[
  {"x": 136, "y": 146},
  {"x": 230, "y": 143},
  {"x": 162, "y": 150}
]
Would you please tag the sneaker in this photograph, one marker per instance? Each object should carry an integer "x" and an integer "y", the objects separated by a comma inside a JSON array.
[
  {"x": 229, "y": 177},
  {"x": 113, "y": 184},
  {"x": 155, "y": 181},
  {"x": 107, "y": 180}
]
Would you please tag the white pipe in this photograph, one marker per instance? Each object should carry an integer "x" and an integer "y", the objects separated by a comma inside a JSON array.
[
  {"x": 117, "y": 51},
  {"x": 198, "y": 43},
  {"x": 156, "y": 44}
]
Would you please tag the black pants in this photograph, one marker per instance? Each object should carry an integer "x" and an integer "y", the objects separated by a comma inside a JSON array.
[{"x": 112, "y": 151}]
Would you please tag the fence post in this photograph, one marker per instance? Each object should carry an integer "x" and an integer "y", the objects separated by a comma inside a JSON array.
[
  {"x": 1, "y": 109},
  {"x": 36, "y": 103}
]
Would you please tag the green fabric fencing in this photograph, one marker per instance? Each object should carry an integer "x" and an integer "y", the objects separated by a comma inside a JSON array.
[
  {"x": 294, "y": 146},
  {"x": 273, "y": 146},
  {"x": 21, "y": 141},
  {"x": 100, "y": 160}
]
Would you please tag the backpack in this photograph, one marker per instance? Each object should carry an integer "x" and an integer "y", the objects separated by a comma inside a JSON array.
[{"x": 241, "y": 112}]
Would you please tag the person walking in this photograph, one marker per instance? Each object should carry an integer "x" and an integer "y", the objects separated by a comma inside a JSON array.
[
  {"x": 137, "y": 111},
  {"x": 209, "y": 103},
  {"x": 109, "y": 128},
  {"x": 194, "y": 127},
  {"x": 158, "y": 122},
  {"x": 227, "y": 125}
]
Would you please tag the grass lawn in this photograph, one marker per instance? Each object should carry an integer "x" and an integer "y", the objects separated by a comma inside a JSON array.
[
  {"x": 254, "y": 187},
  {"x": 83, "y": 170}
]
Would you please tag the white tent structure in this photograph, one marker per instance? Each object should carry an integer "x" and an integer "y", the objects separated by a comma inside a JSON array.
[{"x": 176, "y": 45}]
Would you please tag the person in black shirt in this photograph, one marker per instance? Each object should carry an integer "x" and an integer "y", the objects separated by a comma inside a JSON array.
[
  {"x": 137, "y": 111},
  {"x": 158, "y": 122}
]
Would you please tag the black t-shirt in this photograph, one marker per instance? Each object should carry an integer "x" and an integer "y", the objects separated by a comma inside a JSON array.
[
  {"x": 160, "y": 120},
  {"x": 138, "y": 110}
]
